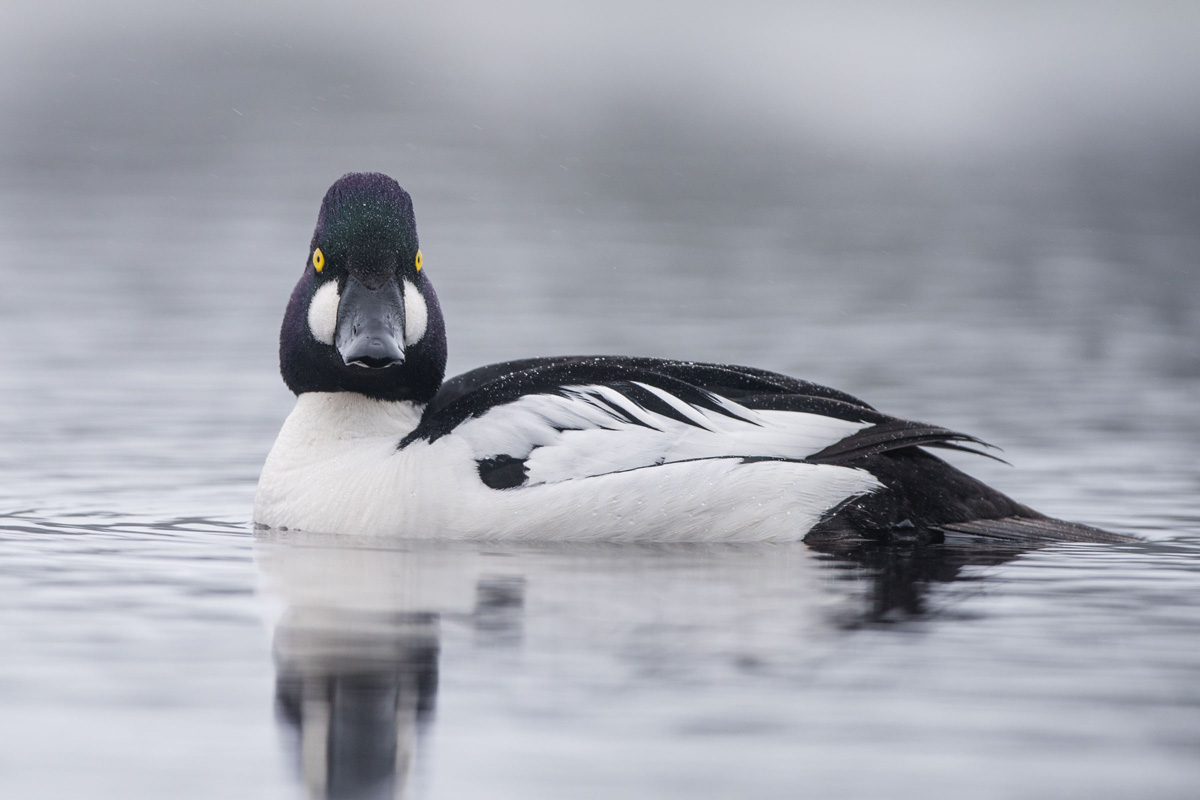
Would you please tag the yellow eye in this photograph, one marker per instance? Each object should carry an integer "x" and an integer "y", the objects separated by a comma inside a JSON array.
[
  {"x": 418, "y": 261},
  {"x": 318, "y": 260}
]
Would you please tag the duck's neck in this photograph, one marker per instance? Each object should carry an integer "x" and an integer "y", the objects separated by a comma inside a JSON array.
[{"x": 349, "y": 415}]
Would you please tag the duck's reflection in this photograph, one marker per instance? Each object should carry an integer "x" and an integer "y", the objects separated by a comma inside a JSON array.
[
  {"x": 356, "y": 649},
  {"x": 898, "y": 577},
  {"x": 356, "y": 687},
  {"x": 358, "y": 640}
]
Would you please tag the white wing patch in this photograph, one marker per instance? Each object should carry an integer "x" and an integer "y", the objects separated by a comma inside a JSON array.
[{"x": 595, "y": 430}]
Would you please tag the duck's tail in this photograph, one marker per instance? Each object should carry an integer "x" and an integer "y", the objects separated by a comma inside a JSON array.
[{"x": 1029, "y": 531}]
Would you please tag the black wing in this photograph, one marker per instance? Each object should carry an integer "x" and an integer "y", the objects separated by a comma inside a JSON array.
[
  {"x": 473, "y": 393},
  {"x": 726, "y": 380}
]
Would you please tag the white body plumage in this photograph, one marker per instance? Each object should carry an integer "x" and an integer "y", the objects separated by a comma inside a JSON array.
[{"x": 336, "y": 467}]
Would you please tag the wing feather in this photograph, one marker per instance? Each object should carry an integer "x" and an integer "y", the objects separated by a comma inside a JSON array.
[
  {"x": 556, "y": 419},
  {"x": 895, "y": 435},
  {"x": 576, "y": 434}
]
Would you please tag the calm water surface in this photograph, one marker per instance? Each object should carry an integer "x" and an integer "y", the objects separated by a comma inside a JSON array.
[{"x": 155, "y": 646}]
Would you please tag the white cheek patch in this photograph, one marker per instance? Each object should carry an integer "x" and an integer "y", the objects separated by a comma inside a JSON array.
[
  {"x": 322, "y": 312},
  {"x": 416, "y": 314}
]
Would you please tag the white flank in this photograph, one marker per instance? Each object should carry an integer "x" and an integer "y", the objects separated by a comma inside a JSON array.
[
  {"x": 322, "y": 312},
  {"x": 336, "y": 468},
  {"x": 416, "y": 314}
]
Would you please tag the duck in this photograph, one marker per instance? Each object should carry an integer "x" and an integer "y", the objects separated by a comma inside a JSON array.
[{"x": 576, "y": 448}]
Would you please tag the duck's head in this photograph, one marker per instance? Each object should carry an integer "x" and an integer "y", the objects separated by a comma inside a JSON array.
[{"x": 364, "y": 317}]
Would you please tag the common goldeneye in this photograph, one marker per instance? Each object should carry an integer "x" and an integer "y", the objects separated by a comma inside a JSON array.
[{"x": 575, "y": 448}]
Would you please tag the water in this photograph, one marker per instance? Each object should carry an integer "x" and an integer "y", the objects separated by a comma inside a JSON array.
[{"x": 1042, "y": 294}]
